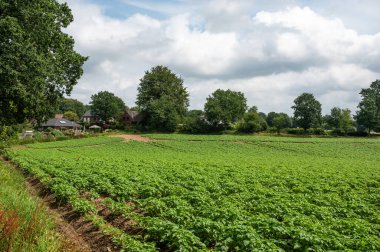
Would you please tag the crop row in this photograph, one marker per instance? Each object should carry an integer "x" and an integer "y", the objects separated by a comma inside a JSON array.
[{"x": 224, "y": 195}]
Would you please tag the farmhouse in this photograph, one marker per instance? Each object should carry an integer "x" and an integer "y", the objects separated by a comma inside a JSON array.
[
  {"x": 61, "y": 124},
  {"x": 88, "y": 117},
  {"x": 131, "y": 117}
]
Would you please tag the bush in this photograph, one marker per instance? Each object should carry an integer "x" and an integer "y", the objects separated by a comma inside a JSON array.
[
  {"x": 57, "y": 133},
  {"x": 295, "y": 131},
  {"x": 195, "y": 125},
  {"x": 358, "y": 133},
  {"x": 252, "y": 122},
  {"x": 316, "y": 131},
  {"x": 8, "y": 133},
  {"x": 272, "y": 130}
]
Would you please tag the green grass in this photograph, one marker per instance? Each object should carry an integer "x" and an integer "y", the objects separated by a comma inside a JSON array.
[
  {"x": 24, "y": 225},
  {"x": 246, "y": 193}
]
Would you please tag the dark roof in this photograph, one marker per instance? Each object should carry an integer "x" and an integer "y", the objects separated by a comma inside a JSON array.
[
  {"x": 57, "y": 122},
  {"x": 88, "y": 113},
  {"x": 134, "y": 115}
]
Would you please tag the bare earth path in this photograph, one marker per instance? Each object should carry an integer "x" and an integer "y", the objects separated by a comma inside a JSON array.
[{"x": 137, "y": 138}]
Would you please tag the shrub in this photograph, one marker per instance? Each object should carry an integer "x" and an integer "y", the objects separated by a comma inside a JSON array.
[
  {"x": 57, "y": 133},
  {"x": 295, "y": 131},
  {"x": 316, "y": 131},
  {"x": 8, "y": 133}
]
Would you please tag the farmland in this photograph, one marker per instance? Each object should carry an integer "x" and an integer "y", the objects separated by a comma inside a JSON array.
[{"x": 222, "y": 193}]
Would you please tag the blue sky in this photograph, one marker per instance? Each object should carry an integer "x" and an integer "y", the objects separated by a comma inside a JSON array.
[{"x": 270, "y": 50}]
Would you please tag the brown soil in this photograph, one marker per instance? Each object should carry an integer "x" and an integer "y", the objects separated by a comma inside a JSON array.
[
  {"x": 137, "y": 138},
  {"x": 77, "y": 233},
  {"x": 20, "y": 147}
]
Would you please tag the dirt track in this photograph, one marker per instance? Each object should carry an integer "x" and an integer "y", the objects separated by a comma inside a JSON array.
[{"x": 137, "y": 138}]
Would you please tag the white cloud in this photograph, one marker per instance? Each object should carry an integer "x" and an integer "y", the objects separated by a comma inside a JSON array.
[{"x": 272, "y": 56}]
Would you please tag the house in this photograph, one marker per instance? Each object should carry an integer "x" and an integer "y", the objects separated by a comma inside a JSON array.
[
  {"x": 131, "y": 117},
  {"x": 61, "y": 124},
  {"x": 88, "y": 117}
]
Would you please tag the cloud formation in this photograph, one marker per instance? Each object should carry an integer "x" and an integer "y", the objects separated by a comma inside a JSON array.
[{"x": 272, "y": 53}]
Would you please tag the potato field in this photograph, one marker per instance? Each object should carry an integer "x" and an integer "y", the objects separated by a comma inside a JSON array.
[{"x": 218, "y": 193}]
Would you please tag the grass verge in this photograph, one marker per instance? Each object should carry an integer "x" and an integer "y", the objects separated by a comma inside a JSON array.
[{"x": 24, "y": 223}]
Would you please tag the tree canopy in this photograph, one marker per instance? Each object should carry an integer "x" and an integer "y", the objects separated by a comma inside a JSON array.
[
  {"x": 67, "y": 104},
  {"x": 38, "y": 63},
  {"x": 307, "y": 111},
  {"x": 280, "y": 121},
  {"x": 162, "y": 98},
  {"x": 252, "y": 122},
  {"x": 224, "y": 107},
  {"x": 339, "y": 120},
  {"x": 72, "y": 116},
  {"x": 107, "y": 106},
  {"x": 368, "y": 114}
]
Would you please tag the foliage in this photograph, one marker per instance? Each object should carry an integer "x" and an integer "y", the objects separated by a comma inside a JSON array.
[
  {"x": 294, "y": 131},
  {"x": 7, "y": 133},
  {"x": 73, "y": 105},
  {"x": 225, "y": 193},
  {"x": 252, "y": 122},
  {"x": 339, "y": 120},
  {"x": 195, "y": 123},
  {"x": 38, "y": 62},
  {"x": 368, "y": 114},
  {"x": 307, "y": 111},
  {"x": 270, "y": 117},
  {"x": 72, "y": 116},
  {"x": 224, "y": 107},
  {"x": 162, "y": 98},
  {"x": 107, "y": 106},
  {"x": 280, "y": 121},
  {"x": 24, "y": 224}
]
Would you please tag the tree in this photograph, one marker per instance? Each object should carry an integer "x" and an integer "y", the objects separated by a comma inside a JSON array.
[
  {"x": 368, "y": 114},
  {"x": 107, "y": 106},
  {"x": 73, "y": 105},
  {"x": 224, "y": 107},
  {"x": 72, "y": 116},
  {"x": 270, "y": 117},
  {"x": 195, "y": 123},
  {"x": 281, "y": 121},
  {"x": 162, "y": 98},
  {"x": 339, "y": 120},
  {"x": 307, "y": 111},
  {"x": 346, "y": 122},
  {"x": 252, "y": 122},
  {"x": 38, "y": 62}
]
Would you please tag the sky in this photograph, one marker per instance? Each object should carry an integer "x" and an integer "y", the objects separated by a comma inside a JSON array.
[{"x": 272, "y": 51}]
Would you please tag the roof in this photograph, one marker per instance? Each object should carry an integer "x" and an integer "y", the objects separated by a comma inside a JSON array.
[
  {"x": 58, "y": 122},
  {"x": 88, "y": 113},
  {"x": 134, "y": 115}
]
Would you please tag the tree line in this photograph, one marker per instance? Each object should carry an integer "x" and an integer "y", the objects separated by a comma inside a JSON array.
[
  {"x": 39, "y": 66},
  {"x": 163, "y": 103}
]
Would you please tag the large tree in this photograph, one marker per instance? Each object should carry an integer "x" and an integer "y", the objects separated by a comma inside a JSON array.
[
  {"x": 281, "y": 121},
  {"x": 252, "y": 122},
  {"x": 67, "y": 104},
  {"x": 307, "y": 111},
  {"x": 368, "y": 114},
  {"x": 107, "y": 106},
  {"x": 162, "y": 98},
  {"x": 224, "y": 107},
  {"x": 38, "y": 64},
  {"x": 339, "y": 120},
  {"x": 71, "y": 115}
]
